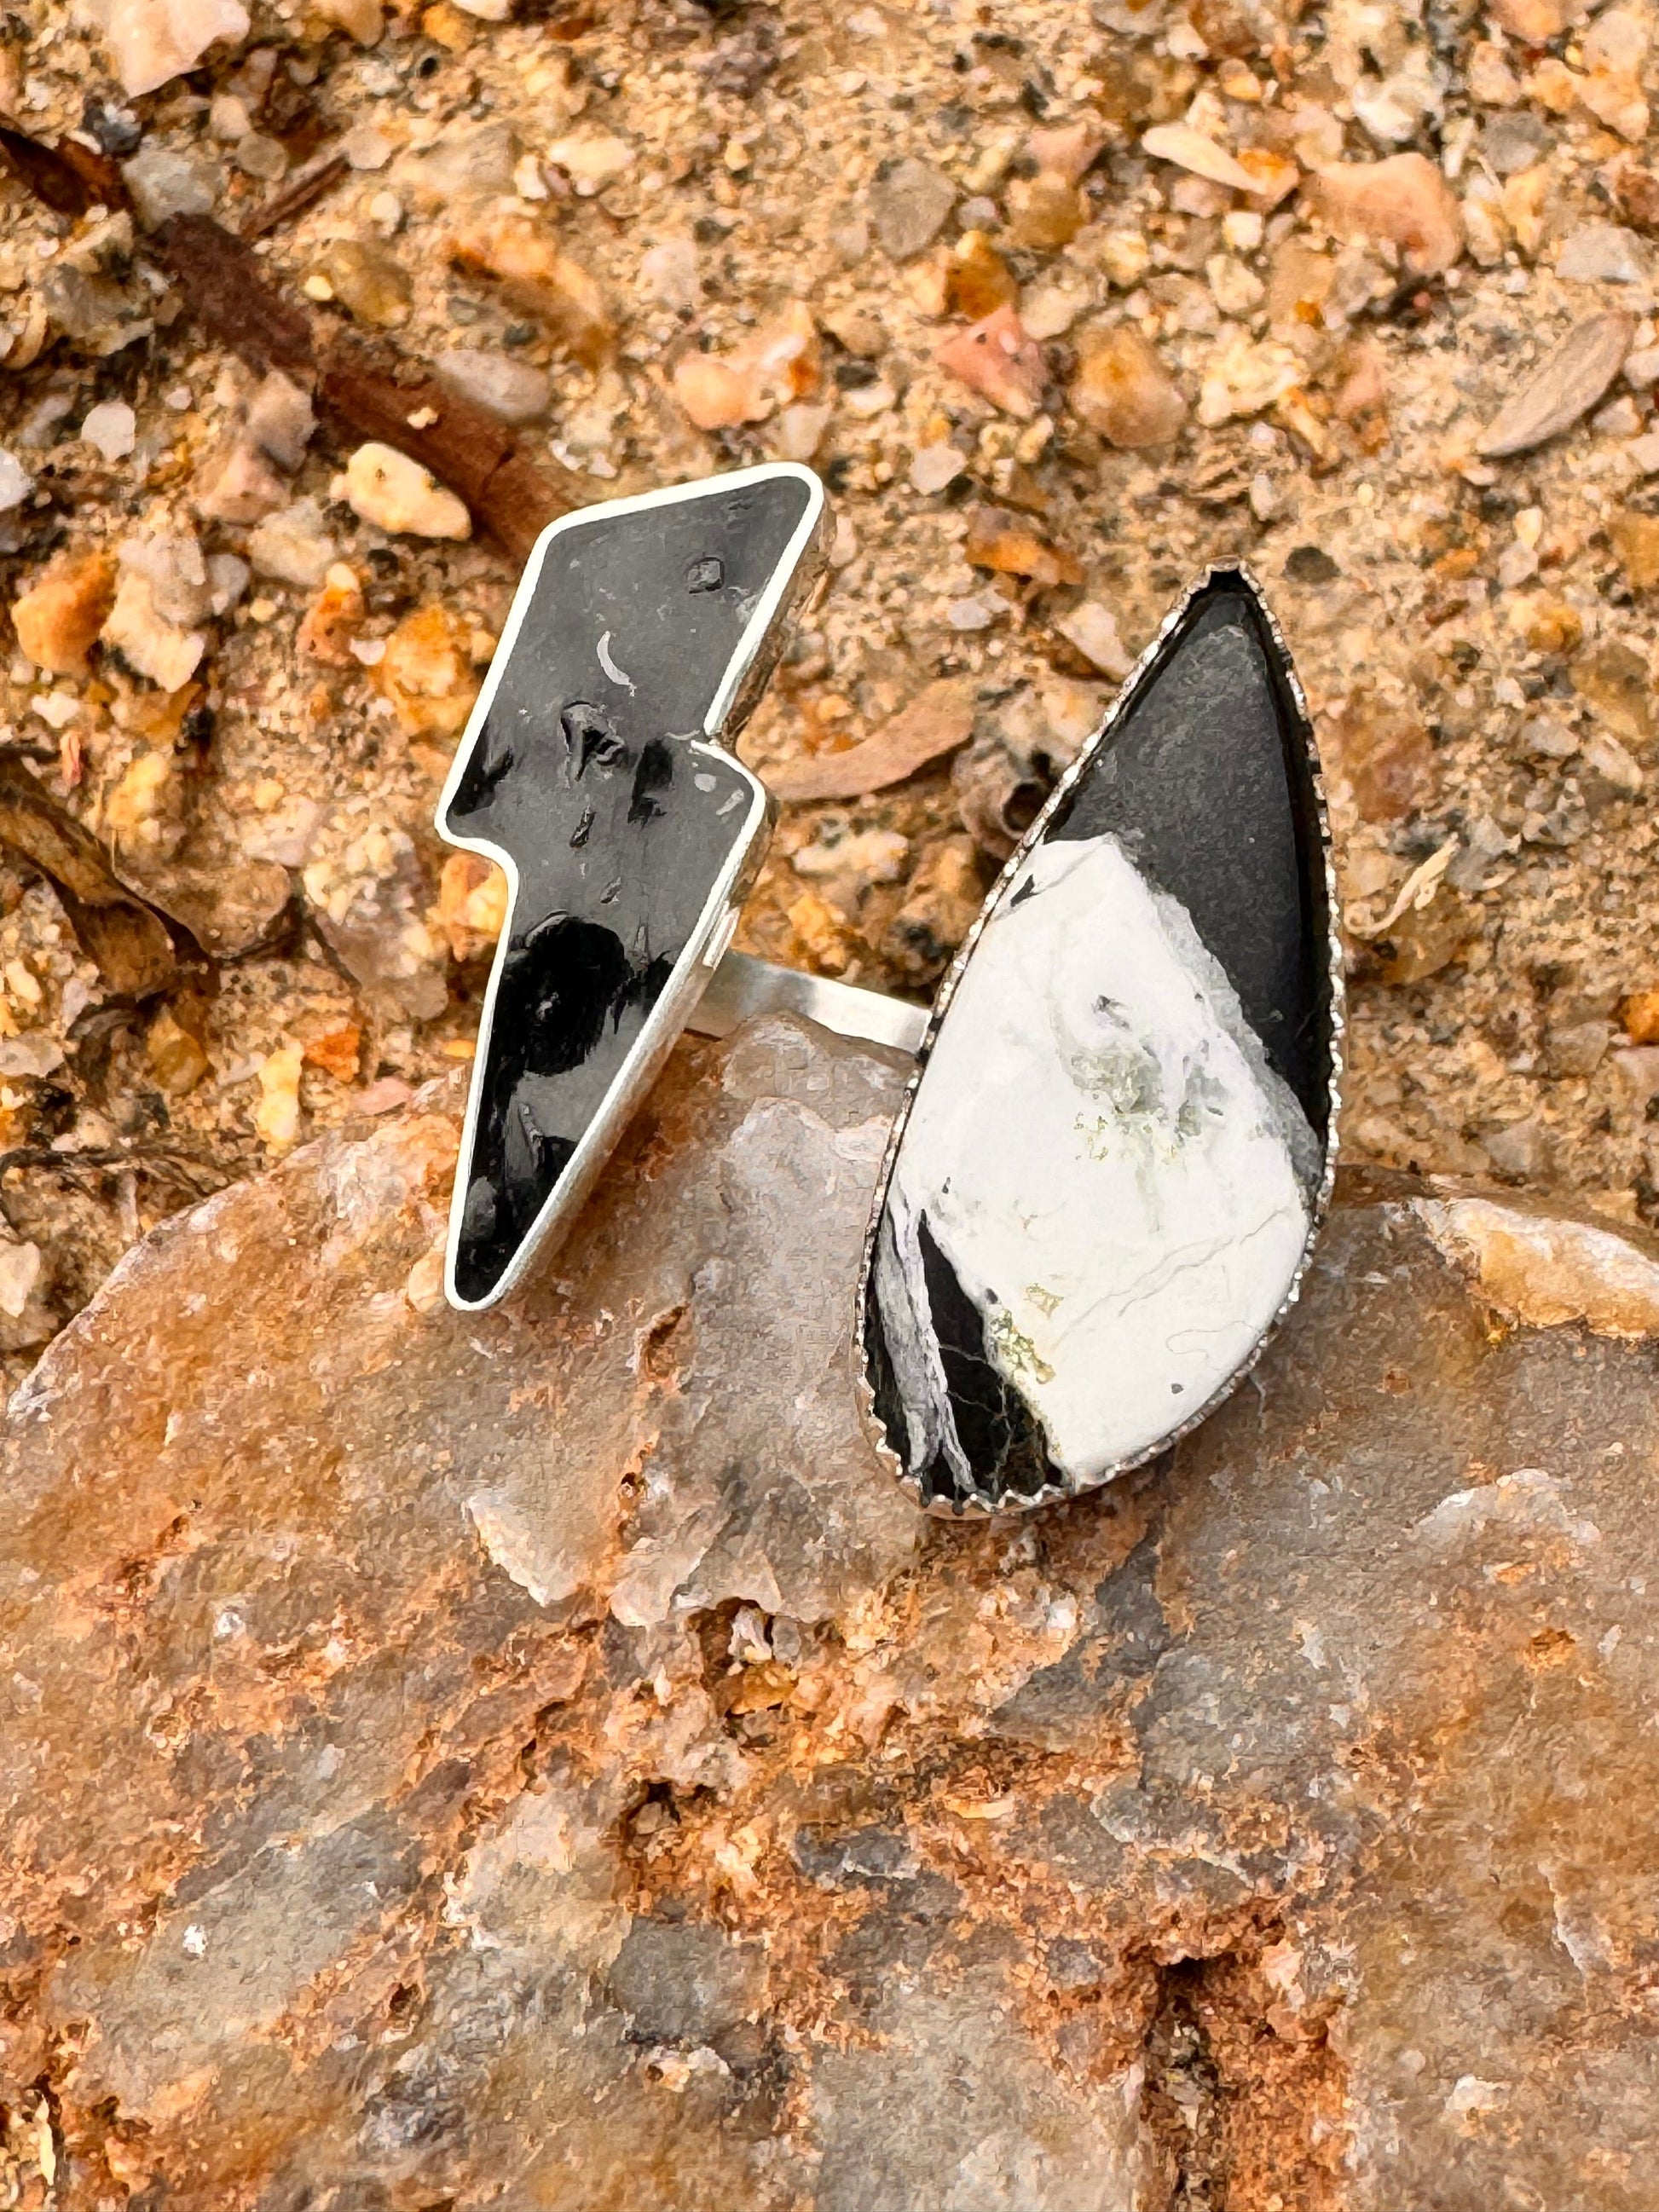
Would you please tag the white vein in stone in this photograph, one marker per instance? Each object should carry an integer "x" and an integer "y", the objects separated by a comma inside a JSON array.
[{"x": 1121, "y": 1182}]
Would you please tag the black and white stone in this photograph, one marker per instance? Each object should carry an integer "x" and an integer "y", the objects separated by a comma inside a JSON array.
[
  {"x": 641, "y": 629},
  {"x": 1102, "y": 1196}
]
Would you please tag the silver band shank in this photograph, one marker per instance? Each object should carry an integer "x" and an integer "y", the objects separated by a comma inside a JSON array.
[{"x": 742, "y": 987}]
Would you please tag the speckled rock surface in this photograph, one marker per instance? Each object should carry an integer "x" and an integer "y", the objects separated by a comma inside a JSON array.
[{"x": 536, "y": 1759}]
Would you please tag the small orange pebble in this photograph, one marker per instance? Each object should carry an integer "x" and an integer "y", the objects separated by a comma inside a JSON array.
[{"x": 336, "y": 1052}]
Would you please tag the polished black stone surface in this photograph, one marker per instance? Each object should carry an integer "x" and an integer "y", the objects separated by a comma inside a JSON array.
[
  {"x": 1208, "y": 779},
  {"x": 589, "y": 772}
]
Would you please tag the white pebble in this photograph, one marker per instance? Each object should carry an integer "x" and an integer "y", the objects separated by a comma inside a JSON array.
[
  {"x": 164, "y": 184},
  {"x": 1092, "y": 629},
  {"x": 227, "y": 118},
  {"x": 228, "y": 577},
  {"x": 800, "y": 431},
  {"x": 293, "y": 546},
  {"x": 668, "y": 273},
  {"x": 969, "y": 614},
  {"x": 366, "y": 146},
  {"x": 1603, "y": 253},
  {"x": 164, "y": 651},
  {"x": 869, "y": 400},
  {"x": 1049, "y": 311},
  {"x": 528, "y": 181},
  {"x": 34, "y": 1053},
  {"x": 590, "y": 160},
  {"x": 112, "y": 427},
  {"x": 935, "y": 466},
  {"x": 1620, "y": 418},
  {"x": 20, "y": 1270},
  {"x": 396, "y": 493},
  {"x": 513, "y": 390},
  {"x": 174, "y": 571},
  {"x": 152, "y": 41},
  {"x": 16, "y": 481}
]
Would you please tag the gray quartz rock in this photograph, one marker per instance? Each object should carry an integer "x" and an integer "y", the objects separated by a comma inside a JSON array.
[
  {"x": 686, "y": 1982},
  {"x": 948, "y": 2102},
  {"x": 514, "y": 390},
  {"x": 536, "y": 1757},
  {"x": 908, "y": 204}
]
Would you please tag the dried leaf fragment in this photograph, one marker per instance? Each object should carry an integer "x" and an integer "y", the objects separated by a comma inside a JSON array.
[
  {"x": 229, "y": 904},
  {"x": 1191, "y": 150},
  {"x": 227, "y": 290},
  {"x": 365, "y": 397},
  {"x": 1568, "y": 383},
  {"x": 1000, "y": 541},
  {"x": 130, "y": 943},
  {"x": 937, "y": 720},
  {"x": 531, "y": 272},
  {"x": 67, "y": 178}
]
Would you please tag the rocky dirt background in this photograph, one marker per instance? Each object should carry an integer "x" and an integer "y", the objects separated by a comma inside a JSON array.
[{"x": 1063, "y": 303}]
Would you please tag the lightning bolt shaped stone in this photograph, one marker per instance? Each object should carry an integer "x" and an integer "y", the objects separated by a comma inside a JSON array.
[{"x": 643, "y": 630}]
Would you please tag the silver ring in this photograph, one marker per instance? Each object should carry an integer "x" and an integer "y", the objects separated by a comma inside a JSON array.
[{"x": 1101, "y": 1194}]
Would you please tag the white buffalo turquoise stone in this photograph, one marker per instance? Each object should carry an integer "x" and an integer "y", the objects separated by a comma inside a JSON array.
[{"x": 1122, "y": 1186}]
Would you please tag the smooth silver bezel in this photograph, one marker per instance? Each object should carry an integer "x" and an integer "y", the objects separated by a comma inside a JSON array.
[
  {"x": 756, "y": 654},
  {"x": 982, "y": 1504}
]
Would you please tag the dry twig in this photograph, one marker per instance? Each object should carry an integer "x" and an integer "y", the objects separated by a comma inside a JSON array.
[{"x": 361, "y": 394}]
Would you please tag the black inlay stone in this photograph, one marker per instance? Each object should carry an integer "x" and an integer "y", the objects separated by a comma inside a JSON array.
[
  {"x": 992, "y": 1424},
  {"x": 1208, "y": 779},
  {"x": 589, "y": 773},
  {"x": 1208, "y": 782}
]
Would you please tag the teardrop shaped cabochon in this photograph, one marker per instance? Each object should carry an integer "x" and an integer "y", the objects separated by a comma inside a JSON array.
[{"x": 1100, "y": 1198}]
